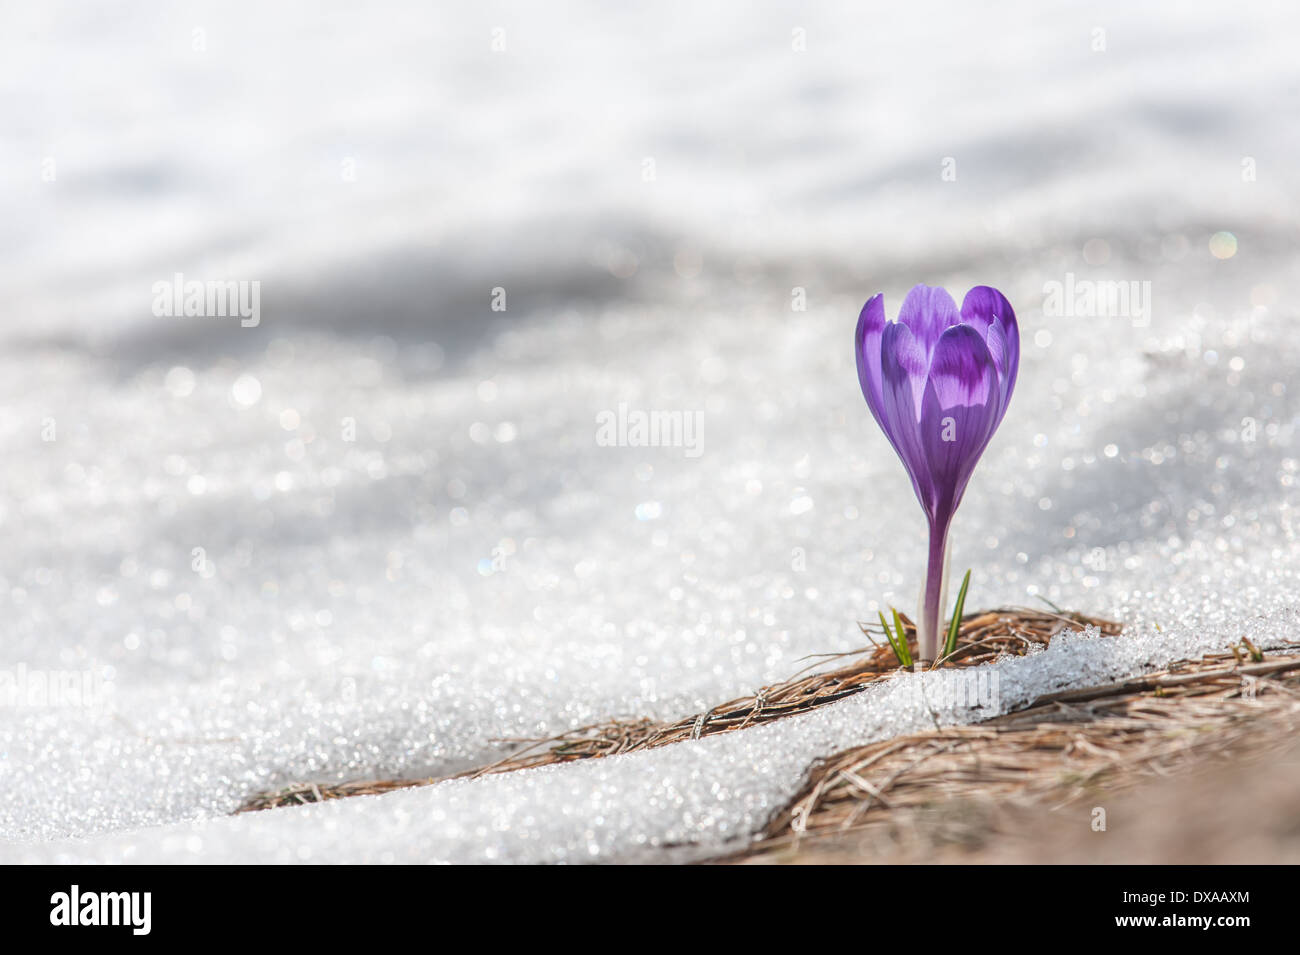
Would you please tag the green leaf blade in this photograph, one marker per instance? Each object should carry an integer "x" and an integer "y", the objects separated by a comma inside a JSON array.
[
  {"x": 904, "y": 652},
  {"x": 899, "y": 645},
  {"x": 950, "y": 645}
]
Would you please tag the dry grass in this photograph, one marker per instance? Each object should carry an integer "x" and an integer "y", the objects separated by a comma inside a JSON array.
[
  {"x": 982, "y": 637},
  {"x": 976, "y": 791}
]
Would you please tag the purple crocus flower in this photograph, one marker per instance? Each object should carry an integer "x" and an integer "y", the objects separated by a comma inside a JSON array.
[{"x": 938, "y": 382}]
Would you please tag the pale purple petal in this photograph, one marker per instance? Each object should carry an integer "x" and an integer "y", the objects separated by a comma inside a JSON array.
[
  {"x": 996, "y": 341},
  {"x": 871, "y": 326},
  {"x": 903, "y": 366},
  {"x": 985, "y": 307},
  {"x": 959, "y": 412},
  {"x": 928, "y": 312}
]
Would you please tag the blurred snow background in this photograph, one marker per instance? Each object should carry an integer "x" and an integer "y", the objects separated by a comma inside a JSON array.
[{"x": 648, "y": 187}]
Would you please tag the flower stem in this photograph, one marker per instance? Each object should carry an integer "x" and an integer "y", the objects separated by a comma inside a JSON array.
[{"x": 927, "y": 637}]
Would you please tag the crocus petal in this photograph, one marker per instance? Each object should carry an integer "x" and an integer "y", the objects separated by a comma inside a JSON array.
[
  {"x": 871, "y": 326},
  {"x": 959, "y": 412},
  {"x": 903, "y": 364},
  {"x": 996, "y": 341},
  {"x": 928, "y": 312},
  {"x": 985, "y": 307}
]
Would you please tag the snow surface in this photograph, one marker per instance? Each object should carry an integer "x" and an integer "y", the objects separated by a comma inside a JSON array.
[
  {"x": 474, "y": 565},
  {"x": 668, "y": 804}
]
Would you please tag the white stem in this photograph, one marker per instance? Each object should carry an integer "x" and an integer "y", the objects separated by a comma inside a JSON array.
[
  {"x": 943, "y": 597},
  {"x": 920, "y": 619},
  {"x": 934, "y": 597},
  {"x": 943, "y": 590}
]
